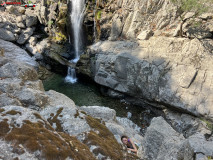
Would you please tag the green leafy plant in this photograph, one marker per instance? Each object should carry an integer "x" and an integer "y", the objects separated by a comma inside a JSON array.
[
  {"x": 98, "y": 16},
  {"x": 59, "y": 37},
  {"x": 50, "y": 22},
  {"x": 208, "y": 124}
]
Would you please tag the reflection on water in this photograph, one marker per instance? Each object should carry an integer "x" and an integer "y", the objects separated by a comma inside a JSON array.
[{"x": 88, "y": 94}]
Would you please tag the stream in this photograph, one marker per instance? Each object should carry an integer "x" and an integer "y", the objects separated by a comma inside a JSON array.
[{"x": 85, "y": 93}]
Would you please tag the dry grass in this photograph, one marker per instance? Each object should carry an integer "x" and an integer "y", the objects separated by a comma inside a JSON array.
[
  {"x": 77, "y": 114},
  {"x": 13, "y": 112},
  {"x": 4, "y": 128},
  {"x": 104, "y": 139},
  {"x": 54, "y": 119},
  {"x": 34, "y": 136},
  {"x": 83, "y": 112},
  {"x": 79, "y": 150},
  {"x": 2, "y": 110}
]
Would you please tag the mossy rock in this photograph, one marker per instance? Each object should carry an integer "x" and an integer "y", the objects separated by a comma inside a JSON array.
[
  {"x": 62, "y": 25},
  {"x": 59, "y": 38},
  {"x": 103, "y": 139},
  {"x": 39, "y": 136}
]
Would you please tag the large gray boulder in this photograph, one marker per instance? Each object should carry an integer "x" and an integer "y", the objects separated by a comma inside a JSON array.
[
  {"x": 186, "y": 124},
  {"x": 200, "y": 145},
  {"x": 13, "y": 52},
  {"x": 161, "y": 141},
  {"x": 25, "y": 35},
  {"x": 31, "y": 18},
  {"x": 63, "y": 114},
  {"x": 117, "y": 125},
  {"x": 27, "y": 94},
  {"x": 6, "y": 35},
  {"x": 104, "y": 113},
  {"x": 171, "y": 71},
  {"x": 25, "y": 134},
  {"x": 18, "y": 70}
]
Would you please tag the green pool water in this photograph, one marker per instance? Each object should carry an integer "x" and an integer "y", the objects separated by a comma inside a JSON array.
[{"x": 85, "y": 93}]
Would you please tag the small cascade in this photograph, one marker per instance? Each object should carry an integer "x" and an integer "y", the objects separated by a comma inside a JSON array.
[
  {"x": 71, "y": 76},
  {"x": 77, "y": 15}
]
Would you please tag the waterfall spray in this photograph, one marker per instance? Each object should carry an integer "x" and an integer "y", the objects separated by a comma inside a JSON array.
[{"x": 77, "y": 16}]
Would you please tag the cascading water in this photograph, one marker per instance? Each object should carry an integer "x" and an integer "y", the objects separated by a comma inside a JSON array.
[{"x": 77, "y": 16}]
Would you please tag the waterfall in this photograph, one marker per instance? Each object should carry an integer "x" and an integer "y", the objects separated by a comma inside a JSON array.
[
  {"x": 77, "y": 16},
  {"x": 71, "y": 75}
]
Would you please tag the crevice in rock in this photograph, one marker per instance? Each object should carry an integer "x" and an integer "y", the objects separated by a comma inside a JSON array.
[{"x": 193, "y": 79}]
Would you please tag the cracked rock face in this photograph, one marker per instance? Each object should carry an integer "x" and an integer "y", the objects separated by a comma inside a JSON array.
[
  {"x": 30, "y": 136},
  {"x": 171, "y": 71},
  {"x": 35, "y": 124},
  {"x": 161, "y": 142}
]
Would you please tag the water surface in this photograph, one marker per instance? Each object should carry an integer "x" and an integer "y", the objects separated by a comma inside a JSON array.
[{"x": 85, "y": 93}]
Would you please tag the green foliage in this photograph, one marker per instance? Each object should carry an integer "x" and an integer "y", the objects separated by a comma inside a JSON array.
[
  {"x": 50, "y": 22},
  {"x": 196, "y": 24},
  {"x": 196, "y": 6},
  {"x": 98, "y": 15},
  {"x": 209, "y": 157},
  {"x": 59, "y": 37},
  {"x": 208, "y": 124}
]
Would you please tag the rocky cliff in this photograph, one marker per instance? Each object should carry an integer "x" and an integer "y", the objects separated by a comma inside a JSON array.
[
  {"x": 142, "y": 57},
  {"x": 126, "y": 19},
  {"x": 35, "y": 124},
  {"x": 41, "y": 30}
]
